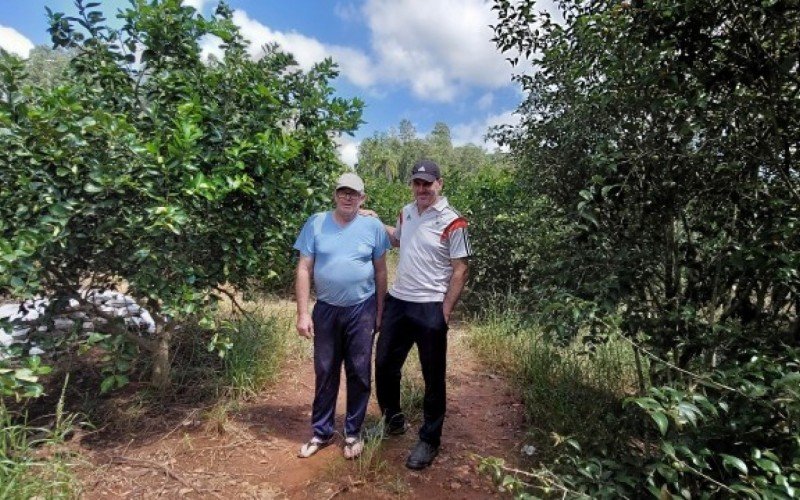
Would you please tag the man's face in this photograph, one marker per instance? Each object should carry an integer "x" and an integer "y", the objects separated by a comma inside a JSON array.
[
  {"x": 425, "y": 193},
  {"x": 348, "y": 201}
]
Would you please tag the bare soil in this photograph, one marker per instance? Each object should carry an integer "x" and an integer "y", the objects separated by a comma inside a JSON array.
[{"x": 250, "y": 451}]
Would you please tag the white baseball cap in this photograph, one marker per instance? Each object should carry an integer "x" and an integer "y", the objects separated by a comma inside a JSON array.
[{"x": 350, "y": 180}]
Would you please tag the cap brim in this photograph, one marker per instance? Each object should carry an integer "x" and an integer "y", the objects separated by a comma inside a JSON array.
[
  {"x": 424, "y": 177},
  {"x": 360, "y": 189}
]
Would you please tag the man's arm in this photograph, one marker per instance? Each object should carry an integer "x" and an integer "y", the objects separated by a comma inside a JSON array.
[
  {"x": 302, "y": 291},
  {"x": 457, "y": 282},
  {"x": 390, "y": 232},
  {"x": 381, "y": 274}
]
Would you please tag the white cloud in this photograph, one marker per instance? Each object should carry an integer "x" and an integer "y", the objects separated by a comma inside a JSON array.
[
  {"x": 353, "y": 64},
  {"x": 15, "y": 42},
  {"x": 485, "y": 102},
  {"x": 346, "y": 11},
  {"x": 474, "y": 132},
  {"x": 197, "y": 4},
  {"x": 210, "y": 45},
  {"x": 348, "y": 150},
  {"x": 437, "y": 46}
]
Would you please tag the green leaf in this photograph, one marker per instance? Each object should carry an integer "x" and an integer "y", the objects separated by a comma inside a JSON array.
[
  {"x": 107, "y": 384},
  {"x": 661, "y": 421},
  {"x": 33, "y": 390},
  {"x": 92, "y": 188},
  {"x": 731, "y": 461},
  {"x": 25, "y": 374},
  {"x": 768, "y": 465}
]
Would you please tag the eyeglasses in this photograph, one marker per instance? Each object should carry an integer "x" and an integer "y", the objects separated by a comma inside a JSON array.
[{"x": 347, "y": 195}]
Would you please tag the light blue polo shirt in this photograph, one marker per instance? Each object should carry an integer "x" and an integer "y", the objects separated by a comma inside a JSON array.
[{"x": 343, "y": 270}]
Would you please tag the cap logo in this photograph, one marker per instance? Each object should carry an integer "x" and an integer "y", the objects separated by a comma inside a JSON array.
[{"x": 421, "y": 169}]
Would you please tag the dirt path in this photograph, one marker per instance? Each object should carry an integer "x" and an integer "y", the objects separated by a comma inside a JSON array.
[{"x": 250, "y": 452}]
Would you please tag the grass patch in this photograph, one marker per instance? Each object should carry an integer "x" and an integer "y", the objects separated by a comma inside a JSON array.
[
  {"x": 569, "y": 391},
  {"x": 371, "y": 463},
  {"x": 412, "y": 387},
  {"x": 30, "y": 464},
  {"x": 257, "y": 345},
  {"x": 370, "y": 474},
  {"x": 254, "y": 359}
]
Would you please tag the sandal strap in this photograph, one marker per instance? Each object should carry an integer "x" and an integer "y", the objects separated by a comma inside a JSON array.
[{"x": 313, "y": 445}]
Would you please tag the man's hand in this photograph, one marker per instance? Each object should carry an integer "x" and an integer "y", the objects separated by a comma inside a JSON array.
[
  {"x": 447, "y": 311},
  {"x": 457, "y": 281},
  {"x": 302, "y": 289},
  {"x": 366, "y": 212},
  {"x": 305, "y": 327}
]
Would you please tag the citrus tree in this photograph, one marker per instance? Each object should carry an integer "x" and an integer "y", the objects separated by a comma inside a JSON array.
[
  {"x": 667, "y": 132},
  {"x": 151, "y": 168}
]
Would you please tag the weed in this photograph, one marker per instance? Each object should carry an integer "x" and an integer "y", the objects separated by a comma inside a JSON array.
[
  {"x": 370, "y": 463},
  {"x": 26, "y": 469},
  {"x": 255, "y": 356},
  {"x": 186, "y": 442},
  {"x": 565, "y": 389},
  {"x": 256, "y": 345},
  {"x": 217, "y": 418},
  {"x": 398, "y": 487},
  {"x": 412, "y": 387}
]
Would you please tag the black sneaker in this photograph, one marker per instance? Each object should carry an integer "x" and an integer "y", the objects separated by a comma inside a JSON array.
[
  {"x": 396, "y": 426},
  {"x": 422, "y": 455},
  {"x": 383, "y": 430}
]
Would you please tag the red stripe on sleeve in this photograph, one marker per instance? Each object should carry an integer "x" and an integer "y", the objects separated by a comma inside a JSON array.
[{"x": 459, "y": 223}]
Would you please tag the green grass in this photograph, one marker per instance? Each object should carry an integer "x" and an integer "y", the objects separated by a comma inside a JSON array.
[
  {"x": 30, "y": 466},
  {"x": 568, "y": 391},
  {"x": 258, "y": 343},
  {"x": 371, "y": 462},
  {"x": 412, "y": 388},
  {"x": 370, "y": 474},
  {"x": 256, "y": 355}
]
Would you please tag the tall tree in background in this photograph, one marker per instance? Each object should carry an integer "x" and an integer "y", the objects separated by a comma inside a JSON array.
[
  {"x": 392, "y": 155},
  {"x": 45, "y": 67},
  {"x": 439, "y": 143},
  {"x": 672, "y": 131}
]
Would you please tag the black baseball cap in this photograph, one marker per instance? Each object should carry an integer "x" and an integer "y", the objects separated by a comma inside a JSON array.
[{"x": 426, "y": 170}]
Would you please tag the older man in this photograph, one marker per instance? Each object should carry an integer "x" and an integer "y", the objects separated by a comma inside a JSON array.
[
  {"x": 431, "y": 273},
  {"x": 344, "y": 253}
]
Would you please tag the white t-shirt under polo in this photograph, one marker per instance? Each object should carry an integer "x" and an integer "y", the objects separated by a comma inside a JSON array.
[{"x": 427, "y": 243}]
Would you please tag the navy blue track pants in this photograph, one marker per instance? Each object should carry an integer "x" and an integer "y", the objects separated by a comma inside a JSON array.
[{"x": 342, "y": 334}]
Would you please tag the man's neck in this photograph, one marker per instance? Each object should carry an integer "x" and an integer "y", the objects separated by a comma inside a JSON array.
[{"x": 343, "y": 219}]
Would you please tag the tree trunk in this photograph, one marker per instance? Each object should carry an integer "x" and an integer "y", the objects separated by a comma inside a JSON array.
[{"x": 160, "y": 377}]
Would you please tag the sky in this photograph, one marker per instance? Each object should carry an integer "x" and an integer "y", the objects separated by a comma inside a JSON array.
[{"x": 426, "y": 61}]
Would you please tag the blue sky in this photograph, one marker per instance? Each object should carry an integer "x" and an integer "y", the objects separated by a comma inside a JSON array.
[{"x": 421, "y": 60}]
